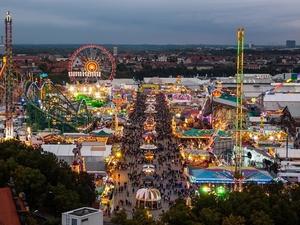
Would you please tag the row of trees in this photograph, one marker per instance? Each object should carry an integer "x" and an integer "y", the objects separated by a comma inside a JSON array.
[
  {"x": 256, "y": 205},
  {"x": 49, "y": 184}
]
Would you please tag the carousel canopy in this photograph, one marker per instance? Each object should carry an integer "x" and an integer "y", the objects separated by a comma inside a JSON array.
[
  {"x": 148, "y": 168},
  {"x": 148, "y": 195},
  {"x": 150, "y": 111},
  {"x": 151, "y": 101},
  {"x": 148, "y": 147}
]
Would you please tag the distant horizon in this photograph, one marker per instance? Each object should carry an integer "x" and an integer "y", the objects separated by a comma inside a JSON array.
[
  {"x": 155, "y": 22},
  {"x": 149, "y": 44}
]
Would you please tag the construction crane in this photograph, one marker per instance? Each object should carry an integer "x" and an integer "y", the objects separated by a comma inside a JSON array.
[
  {"x": 239, "y": 109},
  {"x": 9, "y": 78}
]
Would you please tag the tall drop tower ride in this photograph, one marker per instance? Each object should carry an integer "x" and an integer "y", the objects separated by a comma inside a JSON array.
[
  {"x": 239, "y": 105},
  {"x": 9, "y": 77}
]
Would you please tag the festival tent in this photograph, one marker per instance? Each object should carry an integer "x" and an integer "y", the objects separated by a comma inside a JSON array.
[
  {"x": 103, "y": 132},
  {"x": 225, "y": 175}
]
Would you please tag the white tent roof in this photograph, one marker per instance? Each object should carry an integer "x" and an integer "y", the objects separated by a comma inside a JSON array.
[
  {"x": 282, "y": 97},
  {"x": 86, "y": 150}
]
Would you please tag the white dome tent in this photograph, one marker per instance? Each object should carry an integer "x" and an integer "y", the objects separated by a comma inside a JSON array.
[
  {"x": 148, "y": 198},
  {"x": 148, "y": 147}
]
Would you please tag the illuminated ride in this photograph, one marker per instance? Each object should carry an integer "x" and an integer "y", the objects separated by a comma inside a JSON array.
[
  {"x": 239, "y": 111},
  {"x": 91, "y": 63},
  {"x": 149, "y": 198},
  {"x": 95, "y": 96},
  {"x": 148, "y": 169},
  {"x": 150, "y": 109},
  {"x": 149, "y": 124},
  {"x": 47, "y": 106}
]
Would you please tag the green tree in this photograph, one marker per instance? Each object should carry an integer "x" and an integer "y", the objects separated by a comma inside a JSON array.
[
  {"x": 120, "y": 218},
  {"x": 63, "y": 199},
  {"x": 260, "y": 218},
  {"x": 32, "y": 182},
  {"x": 210, "y": 216},
  {"x": 141, "y": 216},
  {"x": 179, "y": 214},
  {"x": 50, "y": 186},
  {"x": 234, "y": 220}
]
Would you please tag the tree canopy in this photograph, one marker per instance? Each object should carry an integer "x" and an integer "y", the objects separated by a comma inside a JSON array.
[
  {"x": 49, "y": 185},
  {"x": 274, "y": 204}
]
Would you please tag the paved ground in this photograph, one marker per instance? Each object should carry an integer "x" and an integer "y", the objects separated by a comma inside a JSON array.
[{"x": 168, "y": 178}]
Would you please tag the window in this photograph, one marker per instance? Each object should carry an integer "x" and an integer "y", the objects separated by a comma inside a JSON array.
[
  {"x": 84, "y": 220},
  {"x": 74, "y": 222}
]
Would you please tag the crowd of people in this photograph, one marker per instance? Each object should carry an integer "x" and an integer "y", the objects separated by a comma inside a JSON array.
[{"x": 168, "y": 176}]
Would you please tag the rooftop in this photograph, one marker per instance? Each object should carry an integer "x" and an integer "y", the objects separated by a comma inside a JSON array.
[
  {"x": 83, "y": 211},
  {"x": 8, "y": 212},
  {"x": 282, "y": 97}
]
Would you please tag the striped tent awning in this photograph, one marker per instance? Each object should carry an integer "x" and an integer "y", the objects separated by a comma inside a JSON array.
[{"x": 148, "y": 195}]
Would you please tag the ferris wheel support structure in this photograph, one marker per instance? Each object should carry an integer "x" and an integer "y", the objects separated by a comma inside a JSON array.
[{"x": 92, "y": 63}]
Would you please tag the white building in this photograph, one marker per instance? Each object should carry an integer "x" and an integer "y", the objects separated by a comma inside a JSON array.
[
  {"x": 281, "y": 100},
  {"x": 94, "y": 154},
  {"x": 162, "y": 58},
  {"x": 190, "y": 82},
  {"x": 115, "y": 51},
  {"x": 82, "y": 216},
  {"x": 290, "y": 171},
  {"x": 290, "y": 165}
]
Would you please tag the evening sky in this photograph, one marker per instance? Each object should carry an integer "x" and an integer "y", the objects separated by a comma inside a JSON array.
[{"x": 153, "y": 21}]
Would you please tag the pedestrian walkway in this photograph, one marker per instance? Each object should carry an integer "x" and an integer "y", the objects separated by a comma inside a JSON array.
[{"x": 168, "y": 177}]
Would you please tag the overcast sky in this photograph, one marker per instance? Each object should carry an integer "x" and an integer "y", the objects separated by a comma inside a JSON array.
[{"x": 153, "y": 21}]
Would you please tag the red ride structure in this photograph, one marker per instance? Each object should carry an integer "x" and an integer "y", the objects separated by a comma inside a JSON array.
[{"x": 91, "y": 63}]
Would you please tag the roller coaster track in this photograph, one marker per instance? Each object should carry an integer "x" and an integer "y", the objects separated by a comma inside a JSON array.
[{"x": 48, "y": 99}]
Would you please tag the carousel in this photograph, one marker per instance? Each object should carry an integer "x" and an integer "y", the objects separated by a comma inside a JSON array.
[
  {"x": 150, "y": 99},
  {"x": 148, "y": 169},
  {"x": 149, "y": 124},
  {"x": 150, "y": 109},
  {"x": 149, "y": 198},
  {"x": 149, "y": 136},
  {"x": 149, "y": 155},
  {"x": 146, "y": 147}
]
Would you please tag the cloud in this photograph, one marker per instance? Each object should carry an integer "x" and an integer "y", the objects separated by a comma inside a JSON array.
[{"x": 155, "y": 21}]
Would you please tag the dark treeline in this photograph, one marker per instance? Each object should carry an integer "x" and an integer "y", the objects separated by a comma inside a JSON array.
[
  {"x": 275, "y": 204},
  {"x": 49, "y": 185}
]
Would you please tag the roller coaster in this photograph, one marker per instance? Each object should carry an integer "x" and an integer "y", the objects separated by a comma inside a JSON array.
[{"x": 47, "y": 106}]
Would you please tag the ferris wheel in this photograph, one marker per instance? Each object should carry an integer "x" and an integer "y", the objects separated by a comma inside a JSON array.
[{"x": 91, "y": 63}]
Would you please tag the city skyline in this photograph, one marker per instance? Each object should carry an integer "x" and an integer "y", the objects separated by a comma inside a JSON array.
[{"x": 157, "y": 22}]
